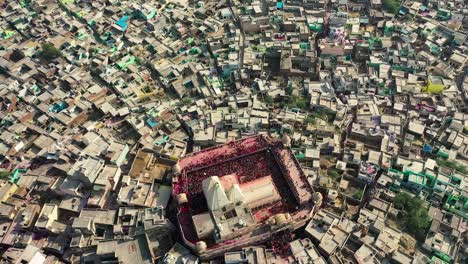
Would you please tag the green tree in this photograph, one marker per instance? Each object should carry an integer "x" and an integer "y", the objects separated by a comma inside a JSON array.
[
  {"x": 453, "y": 165},
  {"x": 92, "y": 50},
  {"x": 138, "y": 61},
  {"x": 413, "y": 217},
  {"x": 187, "y": 101},
  {"x": 358, "y": 194},
  {"x": 392, "y": 6},
  {"x": 268, "y": 99},
  {"x": 333, "y": 173},
  {"x": 289, "y": 89},
  {"x": 301, "y": 102},
  {"x": 297, "y": 102},
  {"x": 49, "y": 52},
  {"x": 4, "y": 175},
  {"x": 310, "y": 119}
]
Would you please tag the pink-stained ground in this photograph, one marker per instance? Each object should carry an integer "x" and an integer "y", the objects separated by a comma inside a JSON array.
[
  {"x": 219, "y": 153},
  {"x": 243, "y": 162},
  {"x": 296, "y": 178},
  {"x": 228, "y": 181}
]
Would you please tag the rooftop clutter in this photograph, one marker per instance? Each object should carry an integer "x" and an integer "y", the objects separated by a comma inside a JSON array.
[{"x": 183, "y": 131}]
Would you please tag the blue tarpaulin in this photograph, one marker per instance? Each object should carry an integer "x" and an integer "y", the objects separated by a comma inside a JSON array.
[
  {"x": 56, "y": 108},
  {"x": 427, "y": 149},
  {"x": 122, "y": 23},
  {"x": 17, "y": 175},
  {"x": 152, "y": 123},
  {"x": 279, "y": 5},
  {"x": 404, "y": 10}
]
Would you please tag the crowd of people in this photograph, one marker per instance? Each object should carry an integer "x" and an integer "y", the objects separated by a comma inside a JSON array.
[
  {"x": 249, "y": 159},
  {"x": 280, "y": 243},
  {"x": 185, "y": 221},
  {"x": 233, "y": 150},
  {"x": 249, "y": 167},
  {"x": 177, "y": 188},
  {"x": 285, "y": 166},
  {"x": 290, "y": 167},
  {"x": 280, "y": 180}
]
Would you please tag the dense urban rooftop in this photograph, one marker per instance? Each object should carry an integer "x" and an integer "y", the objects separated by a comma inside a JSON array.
[{"x": 235, "y": 131}]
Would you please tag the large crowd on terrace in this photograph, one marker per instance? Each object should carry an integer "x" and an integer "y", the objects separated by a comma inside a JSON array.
[
  {"x": 232, "y": 150},
  {"x": 280, "y": 243},
  {"x": 250, "y": 161}
]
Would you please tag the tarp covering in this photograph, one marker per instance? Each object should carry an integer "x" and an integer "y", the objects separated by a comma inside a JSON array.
[{"x": 122, "y": 23}]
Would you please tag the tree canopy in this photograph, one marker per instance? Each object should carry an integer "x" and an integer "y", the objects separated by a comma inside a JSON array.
[
  {"x": 295, "y": 101},
  {"x": 453, "y": 165},
  {"x": 358, "y": 194},
  {"x": 268, "y": 99},
  {"x": 413, "y": 216},
  {"x": 4, "y": 175},
  {"x": 392, "y": 6},
  {"x": 310, "y": 119},
  {"x": 49, "y": 52}
]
